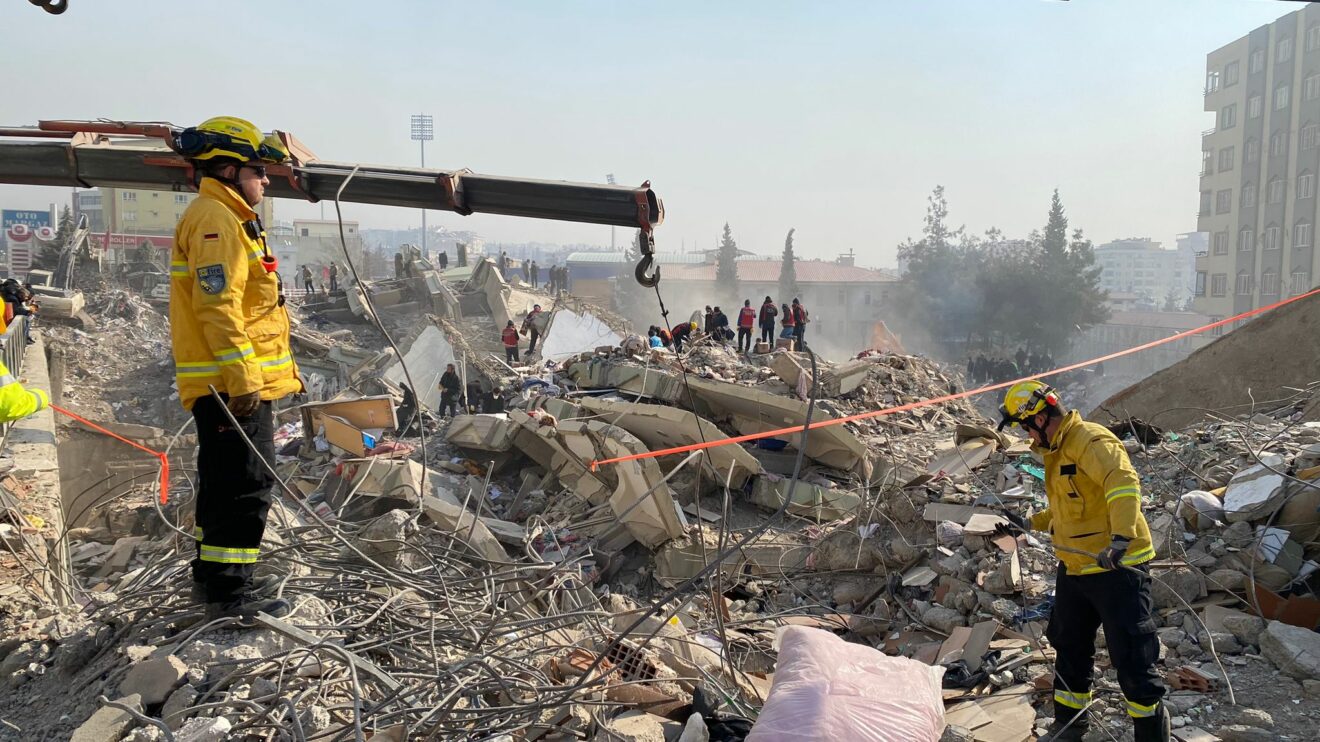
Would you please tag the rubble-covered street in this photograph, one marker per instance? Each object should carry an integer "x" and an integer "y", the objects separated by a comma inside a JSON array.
[{"x": 478, "y": 577}]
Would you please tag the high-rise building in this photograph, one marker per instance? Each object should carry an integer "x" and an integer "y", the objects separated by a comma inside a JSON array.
[
  {"x": 1141, "y": 267},
  {"x": 1259, "y": 165}
]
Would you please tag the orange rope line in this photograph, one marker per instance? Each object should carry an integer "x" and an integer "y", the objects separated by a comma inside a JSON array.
[
  {"x": 164, "y": 460},
  {"x": 947, "y": 397}
]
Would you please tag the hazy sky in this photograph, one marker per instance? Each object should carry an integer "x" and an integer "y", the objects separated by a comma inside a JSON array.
[{"x": 836, "y": 118}]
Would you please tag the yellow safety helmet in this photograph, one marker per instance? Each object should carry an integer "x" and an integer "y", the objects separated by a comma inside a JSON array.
[
  {"x": 232, "y": 137},
  {"x": 1025, "y": 400}
]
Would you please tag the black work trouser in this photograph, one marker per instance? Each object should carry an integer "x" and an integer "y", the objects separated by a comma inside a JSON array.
[
  {"x": 511, "y": 354},
  {"x": 1120, "y": 601},
  {"x": 448, "y": 403},
  {"x": 745, "y": 339},
  {"x": 233, "y": 497},
  {"x": 768, "y": 334},
  {"x": 800, "y": 336},
  {"x": 535, "y": 335}
]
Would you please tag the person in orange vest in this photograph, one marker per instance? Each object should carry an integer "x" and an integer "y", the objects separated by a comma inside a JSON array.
[
  {"x": 746, "y": 318},
  {"x": 510, "y": 338},
  {"x": 767, "y": 320},
  {"x": 788, "y": 324}
]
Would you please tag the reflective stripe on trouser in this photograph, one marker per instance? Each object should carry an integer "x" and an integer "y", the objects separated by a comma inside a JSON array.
[
  {"x": 1072, "y": 700},
  {"x": 1120, "y": 601},
  {"x": 233, "y": 497},
  {"x": 1141, "y": 710}
]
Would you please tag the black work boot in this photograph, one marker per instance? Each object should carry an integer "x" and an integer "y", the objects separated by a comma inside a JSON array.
[
  {"x": 266, "y": 586},
  {"x": 246, "y": 606},
  {"x": 1157, "y": 728},
  {"x": 1070, "y": 725}
]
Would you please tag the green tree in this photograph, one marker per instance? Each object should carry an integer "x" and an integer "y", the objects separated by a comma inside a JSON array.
[
  {"x": 626, "y": 291},
  {"x": 1064, "y": 296},
  {"x": 938, "y": 296},
  {"x": 726, "y": 271},
  {"x": 48, "y": 256},
  {"x": 788, "y": 285}
]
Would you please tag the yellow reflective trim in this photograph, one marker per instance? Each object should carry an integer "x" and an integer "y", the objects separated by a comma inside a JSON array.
[
  {"x": 193, "y": 369},
  {"x": 276, "y": 363},
  {"x": 1072, "y": 700},
  {"x": 179, "y": 268},
  {"x": 1118, "y": 492},
  {"x": 1139, "y": 556},
  {"x": 1139, "y": 711},
  {"x": 228, "y": 556},
  {"x": 197, "y": 532},
  {"x": 234, "y": 355}
]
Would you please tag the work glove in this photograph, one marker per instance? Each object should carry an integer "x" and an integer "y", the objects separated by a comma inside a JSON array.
[
  {"x": 1112, "y": 555},
  {"x": 1015, "y": 526}
]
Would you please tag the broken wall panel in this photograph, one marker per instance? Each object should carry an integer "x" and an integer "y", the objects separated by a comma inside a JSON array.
[
  {"x": 571, "y": 333},
  {"x": 426, "y": 359}
]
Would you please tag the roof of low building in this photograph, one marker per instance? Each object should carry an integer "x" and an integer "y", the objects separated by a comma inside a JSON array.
[{"x": 757, "y": 268}]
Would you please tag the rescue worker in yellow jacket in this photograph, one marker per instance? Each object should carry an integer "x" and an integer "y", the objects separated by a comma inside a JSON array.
[
  {"x": 16, "y": 402},
  {"x": 230, "y": 330},
  {"x": 1103, "y": 544}
]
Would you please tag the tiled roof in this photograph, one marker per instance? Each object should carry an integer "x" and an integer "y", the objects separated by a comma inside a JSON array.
[
  {"x": 767, "y": 271},
  {"x": 692, "y": 267}
]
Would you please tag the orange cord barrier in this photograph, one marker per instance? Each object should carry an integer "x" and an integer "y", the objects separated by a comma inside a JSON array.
[
  {"x": 164, "y": 459},
  {"x": 947, "y": 397}
]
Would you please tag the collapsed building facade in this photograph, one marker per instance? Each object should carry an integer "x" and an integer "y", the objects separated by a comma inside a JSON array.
[{"x": 486, "y": 576}]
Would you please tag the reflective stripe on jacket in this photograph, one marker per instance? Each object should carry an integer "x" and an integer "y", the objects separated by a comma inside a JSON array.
[
  {"x": 15, "y": 401},
  {"x": 1094, "y": 493},
  {"x": 227, "y": 326}
]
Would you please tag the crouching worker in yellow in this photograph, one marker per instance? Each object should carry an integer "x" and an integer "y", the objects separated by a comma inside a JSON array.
[{"x": 231, "y": 331}]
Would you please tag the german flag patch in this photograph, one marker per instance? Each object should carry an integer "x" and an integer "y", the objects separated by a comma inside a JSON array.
[{"x": 211, "y": 236}]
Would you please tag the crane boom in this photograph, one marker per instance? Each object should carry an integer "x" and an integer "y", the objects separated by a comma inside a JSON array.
[{"x": 118, "y": 154}]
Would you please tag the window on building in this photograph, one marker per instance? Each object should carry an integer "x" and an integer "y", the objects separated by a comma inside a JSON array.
[
  {"x": 1269, "y": 283},
  {"x": 1305, "y": 185},
  {"x": 1224, "y": 201},
  {"x": 1226, "y": 159},
  {"x": 1200, "y": 283},
  {"x": 1311, "y": 86},
  {"x": 1219, "y": 284},
  {"x": 1207, "y": 162},
  {"x": 1211, "y": 81},
  {"x": 1271, "y": 237},
  {"x": 1216, "y": 331},
  {"x": 1278, "y": 143},
  {"x": 180, "y": 198},
  {"x": 1256, "y": 63},
  {"x": 1228, "y": 116},
  {"x": 1248, "y": 196},
  {"x": 1231, "y": 73},
  {"x": 1251, "y": 154},
  {"x": 1221, "y": 242},
  {"x": 1246, "y": 240},
  {"x": 1301, "y": 282},
  {"x": 1274, "y": 192},
  {"x": 128, "y": 196},
  {"x": 1243, "y": 287},
  {"x": 1282, "y": 96},
  {"x": 1283, "y": 50},
  {"x": 1313, "y": 38},
  {"x": 1310, "y": 136},
  {"x": 130, "y": 216},
  {"x": 1205, "y": 204},
  {"x": 304, "y": 231},
  {"x": 1302, "y": 234}
]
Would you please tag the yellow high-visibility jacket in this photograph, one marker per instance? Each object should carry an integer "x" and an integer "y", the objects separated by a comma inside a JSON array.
[
  {"x": 15, "y": 401},
  {"x": 227, "y": 324},
  {"x": 1094, "y": 493}
]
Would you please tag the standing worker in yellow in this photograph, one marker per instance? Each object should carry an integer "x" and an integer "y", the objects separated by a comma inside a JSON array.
[
  {"x": 231, "y": 331},
  {"x": 17, "y": 402},
  {"x": 1103, "y": 544}
]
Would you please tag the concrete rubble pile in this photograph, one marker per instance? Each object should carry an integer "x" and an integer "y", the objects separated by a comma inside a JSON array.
[{"x": 482, "y": 577}]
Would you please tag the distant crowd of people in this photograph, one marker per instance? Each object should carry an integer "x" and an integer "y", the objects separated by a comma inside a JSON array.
[
  {"x": 557, "y": 278},
  {"x": 999, "y": 368},
  {"x": 715, "y": 324},
  {"x": 305, "y": 280}
]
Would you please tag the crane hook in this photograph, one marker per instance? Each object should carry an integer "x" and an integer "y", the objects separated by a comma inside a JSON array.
[
  {"x": 646, "y": 244},
  {"x": 54, "y": 7}
]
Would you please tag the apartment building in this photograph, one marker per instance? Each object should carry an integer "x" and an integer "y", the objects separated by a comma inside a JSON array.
[{"x": 1259, "y": 167}]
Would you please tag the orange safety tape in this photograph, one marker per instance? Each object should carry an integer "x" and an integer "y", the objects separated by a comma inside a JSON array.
[
  {"x": 164, "y": 459},
  {"x": 947, "y": 397}
]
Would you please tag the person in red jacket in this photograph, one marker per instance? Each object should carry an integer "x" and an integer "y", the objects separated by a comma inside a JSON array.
[
  {"x": 800, "y": 320},
  {"x": 510, "y": 338},
  {"x": 767, "y": 320},
  {"x": 746, "y": 318},
  {"x": 789, "y": 330}
]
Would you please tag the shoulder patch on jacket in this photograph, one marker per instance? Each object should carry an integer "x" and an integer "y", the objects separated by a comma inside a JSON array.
[
  {"x": 1068, "y": 470},
  {"x": 211, "y": 278}
]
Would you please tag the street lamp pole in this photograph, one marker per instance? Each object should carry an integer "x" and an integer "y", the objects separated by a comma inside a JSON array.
[
  {"x": 423, "y": 131},
  {"x": 609, "y": 178}
]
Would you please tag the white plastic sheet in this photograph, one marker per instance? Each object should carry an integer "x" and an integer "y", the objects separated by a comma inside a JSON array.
[{"x": 829, "y": 689}]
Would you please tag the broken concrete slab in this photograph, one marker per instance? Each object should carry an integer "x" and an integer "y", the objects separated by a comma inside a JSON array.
[
  {"x": 662, "y": 427},
  {"x": 152, "y": 680},
  {"x": 809, "y": 500},
  {"x": 1292, "y": 649},
  {"x": 487, "y": 432},
  {"x": 1252, "y": 493},
  {"x": 108, "y": 724},
  {"x": 426, "y": 359},
  {"x": 570, "y": 333},
  {"x": 752, "y": 411}
]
